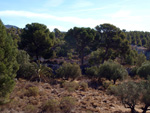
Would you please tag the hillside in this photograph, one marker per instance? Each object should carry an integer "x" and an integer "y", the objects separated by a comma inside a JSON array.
[
  {"x": 10, "y": 26},
  {"x": 88, "y": 101}
]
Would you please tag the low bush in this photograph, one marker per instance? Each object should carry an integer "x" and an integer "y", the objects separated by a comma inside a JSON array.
[
  {"x": 68, "y": 70},
  {"x": 32, "y": 91},
  {"x": 70, "y": 86},
  {"x": 84, "y": 86},
  {"x": 67, "y": 104},
  {"x": 30, "y": 108},
  {"x": 144, "y": 70},
  {"x": 106, "y": 84},
  {"x": 92, "y": 71},
  {"x": 51, "y": 106}
]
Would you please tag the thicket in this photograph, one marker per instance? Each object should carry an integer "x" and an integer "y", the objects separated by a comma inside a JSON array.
[
  {"x": 109, "y": 70},
  {"x": 68, "y": 70}
]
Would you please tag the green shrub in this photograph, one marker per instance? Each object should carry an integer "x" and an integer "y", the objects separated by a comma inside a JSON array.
[
  {"x": 51, "y": 106},
  {"x": 129, "y": 94},
  {"x": 68, "y": 70},
  {"x": 106, "y": 84},
  {"x": 32, "y": 91},
  {"x": 145, "y": 94},
  {"x": 141, "y": 58},
  {"x": 144, "y": 70},
  {"x": 70, "y": 86},
  {"x": 133, "y": 71},
  {"x": 112, "y": 71},
  {"x": 67, "y": 104},
  {"x": 30, "y": 108},
  {"x": 26, "y": 71},
  {"x": 84, "y": 86},
  {"x": 92, "y": 71}
]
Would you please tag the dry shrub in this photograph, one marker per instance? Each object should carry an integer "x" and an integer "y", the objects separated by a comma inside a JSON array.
[
  {"x": 51, "y": 106},
  {"x": 67, "y": 104},
  {"x": 84, "y": 86},
  {"x": 70, "y": 86},
  {"x": 32, "y": 91}
]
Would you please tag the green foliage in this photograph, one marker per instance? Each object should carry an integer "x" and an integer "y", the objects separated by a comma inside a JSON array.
[
  {"x": 43, "y": 72},
  {"x": 30, "y": 108},
  {"x": 145, "y": 94},
  {"x": 144, "y": 70},
  {"x": 112, "y": 71},
  {"x": 106, "y": 84},
  {"x": 67, "y": 104},
  {"x": 131, "y": 57},
  {"x": 112, "y": 38},
  {"x": 133, "y": 71},
  {"x": 51, "y": 106},
  {"x": 37, "y": 40},
  {"x": 138, "y": 37},
  {"x": 129, "y": 94},
  {"x": 68, "y": 70},
  {"x": 84, "y": 86},
  {"x": 26, "y": 71},
  {"x": 32, "y": 91},
  {"x": 8, "y": 64},
  {"x": 92, "y": 71},
  {"x": 80, "y": 38},
  {"x": 141, "y": 58},
  {"x": 70, "y": 86},
  {"x": 96, "y": 57}
]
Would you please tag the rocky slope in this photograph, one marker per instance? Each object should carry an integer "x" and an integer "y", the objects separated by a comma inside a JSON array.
[{"x": 89, "y": 101}]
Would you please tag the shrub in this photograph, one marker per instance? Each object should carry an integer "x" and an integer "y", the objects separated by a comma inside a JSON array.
[
  {"x": 141, "y": 58},
  {"x": 84, "y": 86},
  {"x": 144, "y": 70},
  {"x": 145, "y": 95},
  {"x": 32, "y": 91},
  {"x": 70, "y": 86},
  {"x": 133, "y": 71},
  {"x": 68, "y": 70},
  {"x": 51, "y": 106},
  {"x": 112, "y": 71},
  {"x": 26, "y": 71},
  {"x": 128, "y": 93},
  {"x": 92, "y": 71},
  {"x": 30, "y": 108},
  {"x": 106, "y": 84},
  {"x": 67, "y": 104}
]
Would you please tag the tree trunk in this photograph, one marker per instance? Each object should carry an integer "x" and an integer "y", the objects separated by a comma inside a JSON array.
[
  {"x": 105, "y": 55},
  {"x": 115, "y": 81},
  {"x": 133, "y": 110},
  {"x": 145, "y": 109},
  {"x": 82, "y": 58}
]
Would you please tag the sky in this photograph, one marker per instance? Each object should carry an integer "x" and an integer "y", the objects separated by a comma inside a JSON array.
[{"x": 65, "y": 14}]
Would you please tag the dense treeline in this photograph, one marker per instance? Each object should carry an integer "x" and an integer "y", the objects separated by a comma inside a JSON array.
[{"x": 138, "y": 38}]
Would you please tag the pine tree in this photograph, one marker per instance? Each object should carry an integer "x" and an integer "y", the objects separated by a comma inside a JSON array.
[{"x": 8, "y": 64}]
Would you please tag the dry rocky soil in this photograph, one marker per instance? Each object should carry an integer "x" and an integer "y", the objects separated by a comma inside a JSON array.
[{"x": 89, "y": 101}]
